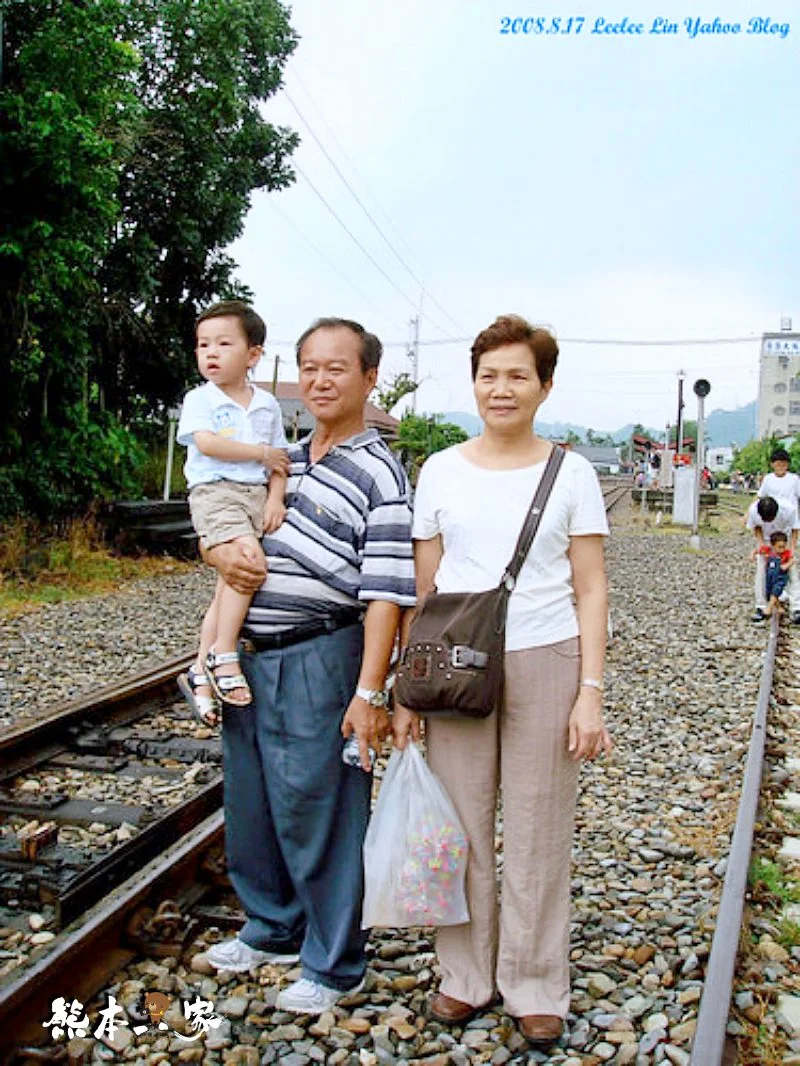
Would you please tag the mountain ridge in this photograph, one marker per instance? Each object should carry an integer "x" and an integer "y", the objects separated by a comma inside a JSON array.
[{"x": 722, "y": 427}]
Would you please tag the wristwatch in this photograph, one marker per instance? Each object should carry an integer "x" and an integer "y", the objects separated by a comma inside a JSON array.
[{"x": 375, "y": 697}]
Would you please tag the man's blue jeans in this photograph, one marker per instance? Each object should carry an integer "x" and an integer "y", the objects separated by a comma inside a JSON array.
[{"x": 295, "y": 815}]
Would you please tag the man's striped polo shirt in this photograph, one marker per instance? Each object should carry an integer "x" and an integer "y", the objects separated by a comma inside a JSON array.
[{"x": 345, "y": 540}]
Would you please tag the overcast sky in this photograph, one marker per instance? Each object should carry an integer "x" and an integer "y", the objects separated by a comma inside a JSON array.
[{"x": 613, "y": 187}]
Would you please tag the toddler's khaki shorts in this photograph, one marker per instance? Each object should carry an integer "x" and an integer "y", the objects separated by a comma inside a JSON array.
[{"x": 224, "y": 510}]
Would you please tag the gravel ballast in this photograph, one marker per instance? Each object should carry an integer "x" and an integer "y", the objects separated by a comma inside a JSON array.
[{"x": 654, "y": 823}]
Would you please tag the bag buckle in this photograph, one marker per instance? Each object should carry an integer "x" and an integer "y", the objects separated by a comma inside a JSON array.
[{"x": 462, "y": 656}]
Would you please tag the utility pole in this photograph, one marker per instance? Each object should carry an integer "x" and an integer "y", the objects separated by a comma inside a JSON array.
[
  {"x": 413, "y": 355},
  {"x": 679, "y": 432},
  {"x": 275, "y": 376},
  {"x": 701, "y": 390}
]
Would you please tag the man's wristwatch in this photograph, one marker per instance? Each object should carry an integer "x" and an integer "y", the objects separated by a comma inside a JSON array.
[{"x": 375, "y": 697}]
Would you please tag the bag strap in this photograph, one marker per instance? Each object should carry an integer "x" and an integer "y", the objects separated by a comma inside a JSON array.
[{"x": 533, "y": 518}]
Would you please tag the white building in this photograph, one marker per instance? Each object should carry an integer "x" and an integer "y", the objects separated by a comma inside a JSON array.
[
  {"x": 779, "y": 383},
  {"x": 719, "y": 459}
]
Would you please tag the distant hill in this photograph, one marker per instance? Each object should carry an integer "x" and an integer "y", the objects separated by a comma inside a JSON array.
[
  {"x": 722, "y": 427},
  {"x": 732, "y": 427}
]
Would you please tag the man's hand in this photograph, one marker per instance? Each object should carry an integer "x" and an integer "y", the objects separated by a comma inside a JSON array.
[
  {"x": 240, "y": 565},
  {"x": 405, "y": 724},
  {"x": 275, "y": 459},
  {"x": 588, "y": 736},
  {"x": 274, "y": 514},
  {"x": 370, "y": 724}
]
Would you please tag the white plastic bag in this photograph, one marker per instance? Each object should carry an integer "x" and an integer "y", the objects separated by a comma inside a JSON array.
[{"x": 415, "y": 851}]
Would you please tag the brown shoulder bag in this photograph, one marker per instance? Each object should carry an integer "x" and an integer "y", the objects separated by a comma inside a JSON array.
[{"x": 453, "y": 664}]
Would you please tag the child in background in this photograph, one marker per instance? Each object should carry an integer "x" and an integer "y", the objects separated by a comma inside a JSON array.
[
  {"x": 779, "y": 561},
  {"x": 781, "y": 484},
  {"x": 234, "y": 435}
]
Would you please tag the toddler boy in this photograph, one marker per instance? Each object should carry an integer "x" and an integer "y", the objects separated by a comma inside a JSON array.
[
  {"x": 234, "y": 435},
  {"x": 779, "y": 561}
]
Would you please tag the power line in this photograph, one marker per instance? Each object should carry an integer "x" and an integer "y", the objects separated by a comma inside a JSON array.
[
  {"x": 622, "y": 343},
  {"x": 586, "y": 340},
  {"x": 331, "y": 264},
  {"x": 353, "y": 237},
  {"x": 369, "y": 215},
  {"x": 353, "y": 167}
]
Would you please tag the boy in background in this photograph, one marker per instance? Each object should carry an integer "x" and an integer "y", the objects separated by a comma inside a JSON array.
[
  {"x": 781, "y": 484},
  {"x": 234, "y": 435}
]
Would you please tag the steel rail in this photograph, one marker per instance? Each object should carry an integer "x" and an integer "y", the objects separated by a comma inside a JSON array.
[
  {"x": 84, "y": 957},
  {"x": 47, "y": 730},
  {"x": 708, "y": 1046}
]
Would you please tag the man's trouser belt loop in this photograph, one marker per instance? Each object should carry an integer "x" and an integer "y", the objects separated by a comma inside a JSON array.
[{"x": 297, "y": 634}]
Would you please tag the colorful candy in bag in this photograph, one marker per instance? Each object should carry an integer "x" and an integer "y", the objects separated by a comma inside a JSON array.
[{"x": 415, "y": 852}]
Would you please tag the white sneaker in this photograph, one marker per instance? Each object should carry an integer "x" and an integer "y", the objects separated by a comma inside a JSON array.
[
  {"x": 311, "y": 997},
  {"x": 238, "y": 957}
]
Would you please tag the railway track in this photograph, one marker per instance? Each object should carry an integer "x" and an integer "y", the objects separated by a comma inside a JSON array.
[
  {"x": 93, "y": 791},
  {"x": 151, "y": 900}
]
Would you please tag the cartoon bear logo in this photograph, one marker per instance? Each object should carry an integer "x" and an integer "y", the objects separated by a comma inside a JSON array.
[{"x": 157, "y": 1004}]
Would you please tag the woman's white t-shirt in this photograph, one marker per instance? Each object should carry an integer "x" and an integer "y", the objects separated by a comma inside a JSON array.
[{"x": 479, "y": 514}]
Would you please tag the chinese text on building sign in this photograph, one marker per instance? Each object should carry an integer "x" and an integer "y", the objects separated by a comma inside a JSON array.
[{"x": 781, "y": 346}]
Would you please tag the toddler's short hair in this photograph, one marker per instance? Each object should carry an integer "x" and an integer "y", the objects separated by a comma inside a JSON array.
[{"x": 252, "y": 323}]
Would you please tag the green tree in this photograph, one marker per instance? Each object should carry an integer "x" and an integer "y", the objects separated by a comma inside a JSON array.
[
  {"x": 391, "y": 392},
  {"x": 130, "y": 142},
  {"x": 689, "y": 435},
  {"x": 202, "y": 147},
  {"x": 599, "y": 440},
  {"x": 421, "y": 435},
  {"x": 67, "y": 97},
  {"x": 753, "y": 457},
  {"x": 794, "y": 454}
]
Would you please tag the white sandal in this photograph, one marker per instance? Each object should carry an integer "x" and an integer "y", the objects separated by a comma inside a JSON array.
[
  {"x": 205, "y": 708},
  {"x": 223, "y": 686}
]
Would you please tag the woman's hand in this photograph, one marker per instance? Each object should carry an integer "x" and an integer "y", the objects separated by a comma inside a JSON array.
[
  {"x": 588, "y": 736},
  {"x": 239, "y": 565},
  {"x": 405, "y": 723}
]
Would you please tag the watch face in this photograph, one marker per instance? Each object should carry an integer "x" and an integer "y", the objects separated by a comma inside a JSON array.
[{"x": 378, "y": 699}]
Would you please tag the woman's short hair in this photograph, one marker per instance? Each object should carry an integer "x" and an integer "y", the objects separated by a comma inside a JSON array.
[{"x": 514, "y": 329}]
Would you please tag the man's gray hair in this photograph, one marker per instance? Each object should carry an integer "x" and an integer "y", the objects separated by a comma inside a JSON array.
[{"x": 371, "y": 347}]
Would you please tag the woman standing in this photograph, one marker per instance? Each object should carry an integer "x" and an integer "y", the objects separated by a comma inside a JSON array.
[{"x": 470, "y": 504}]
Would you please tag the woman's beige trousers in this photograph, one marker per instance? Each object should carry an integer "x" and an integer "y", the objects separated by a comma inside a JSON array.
[{"x": 518, "y": 947}]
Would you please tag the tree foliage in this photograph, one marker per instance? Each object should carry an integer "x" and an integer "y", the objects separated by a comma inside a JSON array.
[
  {"x": 753, "y": 457},
  {"x": 390, "y": 393},
  {"x": 421, "y": 435},
  {"x": 599, "y": 440},
  {"x": 130, "y": 142},
  {"x": 689, "y": 435}
]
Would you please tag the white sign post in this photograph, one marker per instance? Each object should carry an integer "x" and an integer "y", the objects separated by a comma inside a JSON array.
[
  {"x": 173, "y": 414},
  {"x": 683, "y": 497}
]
